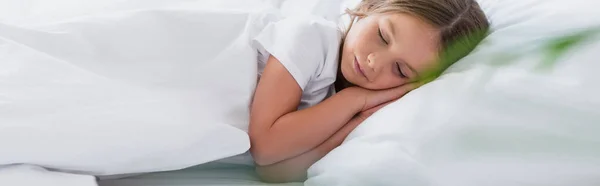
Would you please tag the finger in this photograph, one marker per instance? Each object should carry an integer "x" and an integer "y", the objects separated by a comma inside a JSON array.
[
  {"x": 409, "y": 86},
  {"x": 376, "y": 108},
  {"x": 383, "y": 96},
  {"x": 371, "y": 111},
  {"x": 400, "y": 91}
]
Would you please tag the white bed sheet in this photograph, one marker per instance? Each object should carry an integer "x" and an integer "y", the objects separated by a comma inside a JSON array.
[
  {"x": 211, "y": 174},
  {"x": 31, "y": 175},
  {"x": 36, "y": 12}
]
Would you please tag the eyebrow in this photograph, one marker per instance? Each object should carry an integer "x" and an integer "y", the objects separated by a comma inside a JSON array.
[{"x": 392, "y": 34}]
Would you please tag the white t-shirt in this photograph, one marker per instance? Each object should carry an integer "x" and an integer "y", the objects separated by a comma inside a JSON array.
[{"x": 308, "y": 48}]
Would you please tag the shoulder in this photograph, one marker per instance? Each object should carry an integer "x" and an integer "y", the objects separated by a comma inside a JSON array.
[
  {"x": 310, "y": 21},
  {"x": 309, "y": 26},
  {"x": 307, "y": 46},
  {"x": 309, "y": 38}
]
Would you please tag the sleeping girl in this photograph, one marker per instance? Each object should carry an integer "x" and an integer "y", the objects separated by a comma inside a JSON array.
[{"x": 310, "y": 98}]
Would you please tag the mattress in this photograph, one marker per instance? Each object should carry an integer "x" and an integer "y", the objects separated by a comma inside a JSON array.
[{"x": 211, "y": 174}]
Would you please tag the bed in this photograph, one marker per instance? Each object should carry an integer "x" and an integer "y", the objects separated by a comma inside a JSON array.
[
  {"x": 522, "y": 109},
  {"x": 31, "y": 27},
  {"x": 211, "y": 174}
]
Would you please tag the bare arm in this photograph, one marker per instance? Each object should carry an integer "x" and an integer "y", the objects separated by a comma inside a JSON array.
[
  {"x": 294, "y": 169},
  {"x": 278, "y": 131}
]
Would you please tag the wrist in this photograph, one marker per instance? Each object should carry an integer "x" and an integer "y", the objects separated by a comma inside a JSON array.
[
  {"x": 354, "y": 98},
  {"x": 339, "y": 137}
]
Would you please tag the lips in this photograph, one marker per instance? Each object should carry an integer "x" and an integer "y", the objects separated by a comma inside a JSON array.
[{"x": 359, "y": 69}]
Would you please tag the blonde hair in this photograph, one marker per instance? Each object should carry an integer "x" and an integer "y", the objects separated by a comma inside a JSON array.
[{"x": 462, "y": 23}]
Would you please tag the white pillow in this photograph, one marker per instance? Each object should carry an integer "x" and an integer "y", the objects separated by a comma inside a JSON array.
[
  {"x": 487, "y": 121},
  {"x": 129, "y": 91}
]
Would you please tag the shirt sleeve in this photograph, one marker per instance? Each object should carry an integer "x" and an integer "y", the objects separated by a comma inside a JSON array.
[{"x": 300, "y": 44}]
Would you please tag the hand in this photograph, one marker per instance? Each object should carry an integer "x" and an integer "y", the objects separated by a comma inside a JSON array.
[
  {"x": 375, "y": 98},
  {"x": 363, "y": 115}
]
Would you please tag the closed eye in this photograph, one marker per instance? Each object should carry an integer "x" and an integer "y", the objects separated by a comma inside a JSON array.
[
  {"x": 381, "y": 36},
  {"x": 400, "y": 73}
]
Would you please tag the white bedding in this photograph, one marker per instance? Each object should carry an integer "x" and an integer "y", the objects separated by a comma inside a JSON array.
[
  {"x": 31, "y": 175},
  {"x": 211, "y": 174},
  {"x": 504, "y": 115},
  {"x": 386, "y": 150},
  {"x": 126, "y": 90},
  {"x": 115, "y": 87}
]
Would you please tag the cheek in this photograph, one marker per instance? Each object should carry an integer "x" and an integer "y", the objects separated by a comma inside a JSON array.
[
  {"x": 389, "y": 81},
  {"x": 347, "y": 53},
  {"x": 357, "y": 39},
  {"x": 349, "y": 43},
  {"x": 361, "y": 41},
  {"x": 347, "y": 58}
]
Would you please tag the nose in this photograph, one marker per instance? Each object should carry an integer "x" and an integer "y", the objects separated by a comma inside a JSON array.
[
  {"x": 371, "y": 61},
  {"x": 377, "y": 61}
]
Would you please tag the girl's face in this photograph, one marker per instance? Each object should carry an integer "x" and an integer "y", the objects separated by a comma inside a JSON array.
[{"x": 383, "y": 51}]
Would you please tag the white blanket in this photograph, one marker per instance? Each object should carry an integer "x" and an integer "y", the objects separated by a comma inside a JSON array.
[
  {"x": 110, "y": 87},
  {"x": 118, "y": 88},
  {"x": 28, "y": 175}
]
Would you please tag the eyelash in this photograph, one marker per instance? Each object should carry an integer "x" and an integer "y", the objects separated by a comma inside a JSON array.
[
  {"x": 381, "y": 36},
  {"x": 400, "y": 73}
]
